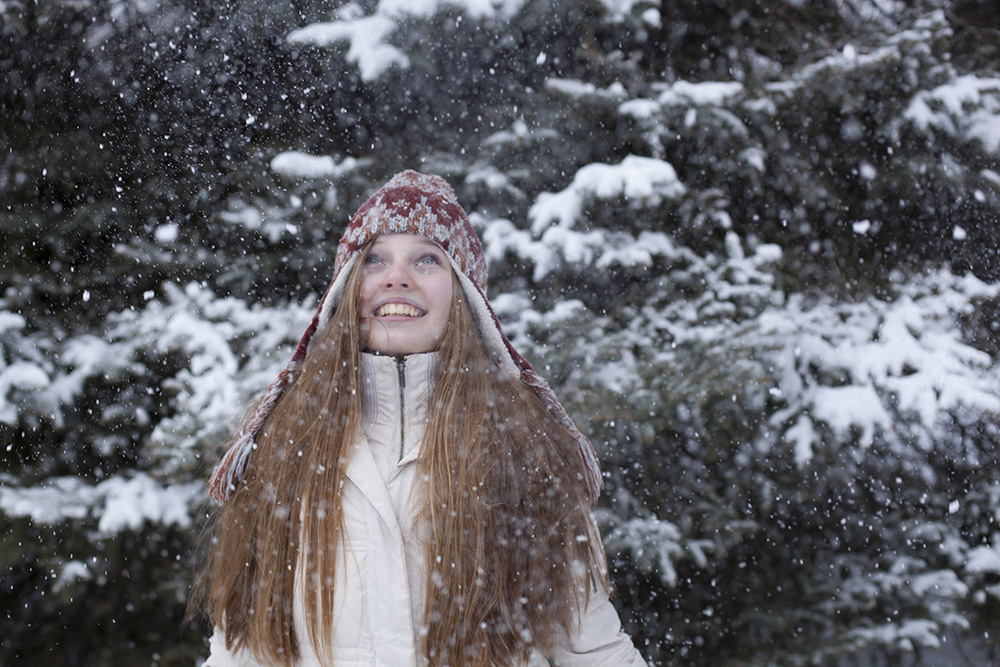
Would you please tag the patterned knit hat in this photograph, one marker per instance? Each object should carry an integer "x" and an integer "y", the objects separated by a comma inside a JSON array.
[{"x": 425, "y": 205}]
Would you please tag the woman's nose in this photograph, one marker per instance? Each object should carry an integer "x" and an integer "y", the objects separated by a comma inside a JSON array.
[{"x": 398, "y": 275}]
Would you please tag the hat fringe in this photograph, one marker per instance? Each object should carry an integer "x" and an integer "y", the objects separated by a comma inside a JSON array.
[
  {"x": 588, "y": 458},
  {"x": 229, "y": 473}
]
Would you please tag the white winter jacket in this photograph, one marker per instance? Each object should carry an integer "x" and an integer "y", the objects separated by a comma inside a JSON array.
[{"x": 381, "y": 575}]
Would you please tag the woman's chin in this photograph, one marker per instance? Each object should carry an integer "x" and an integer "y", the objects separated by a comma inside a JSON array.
[{"x": 383, "y": 340}]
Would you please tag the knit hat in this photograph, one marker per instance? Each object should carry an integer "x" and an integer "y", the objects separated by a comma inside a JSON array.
[{"x": 424, "y": 205}]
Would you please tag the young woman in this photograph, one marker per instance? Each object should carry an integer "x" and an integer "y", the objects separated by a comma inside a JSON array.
[{"x": 409, "y": 491}]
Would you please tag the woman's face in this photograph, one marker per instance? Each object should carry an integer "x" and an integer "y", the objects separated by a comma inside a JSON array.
[{"x": 405, "y": 295}]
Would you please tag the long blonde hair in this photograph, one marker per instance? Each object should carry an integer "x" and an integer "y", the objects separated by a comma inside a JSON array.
[{"x": 513, "y": 552}]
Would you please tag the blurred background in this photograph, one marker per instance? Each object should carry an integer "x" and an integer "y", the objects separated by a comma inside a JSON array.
[{"x": 753, "y": 246}]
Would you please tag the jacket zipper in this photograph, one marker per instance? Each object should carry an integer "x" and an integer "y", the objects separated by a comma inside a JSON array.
[{"x": 401, "y": 370}]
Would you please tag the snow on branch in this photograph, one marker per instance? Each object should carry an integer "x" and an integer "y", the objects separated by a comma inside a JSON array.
[
  {"x": 299, "y": 165},
  {"x": 656, "y": 545},
  {"x": 233, "y": 350},
  {"x": 893, "y": 369},
  {"x": 967, "y": 108},
  {"x": 227, "y": 352},
  {"x": 641, "y": 182},
  {"x": 640, "y": 179},
  {"x": 114, "y": 505},
  {"x": 368, "y": 35}
]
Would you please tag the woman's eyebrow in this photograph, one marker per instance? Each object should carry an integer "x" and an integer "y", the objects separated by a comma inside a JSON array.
[{"x": 430, "y": 245}]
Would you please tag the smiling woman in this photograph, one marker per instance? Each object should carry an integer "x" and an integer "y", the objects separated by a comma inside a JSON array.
[
  {"x": 409, "y": 491},
  {"x": 405, "y": 295}
]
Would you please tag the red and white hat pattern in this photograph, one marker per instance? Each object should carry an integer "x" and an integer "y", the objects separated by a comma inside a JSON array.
[{"x": 424, "y": 205}]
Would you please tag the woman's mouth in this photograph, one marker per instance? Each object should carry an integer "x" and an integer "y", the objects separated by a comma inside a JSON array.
[{"x": 398, "y": 309}]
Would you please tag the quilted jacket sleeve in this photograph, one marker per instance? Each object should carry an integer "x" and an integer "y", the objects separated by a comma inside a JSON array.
[
  {"x": 601, "y": 642},
  {"x": 220, "y": 656}
]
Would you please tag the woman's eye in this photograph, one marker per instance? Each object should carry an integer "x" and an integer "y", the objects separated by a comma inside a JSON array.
[
  {"x": 373, "y": 259},
  {"x": 428, "y": 259}
]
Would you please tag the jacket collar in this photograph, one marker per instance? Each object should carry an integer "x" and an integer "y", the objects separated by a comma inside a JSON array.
[
  {"x": 381, "y": 402},
  {"x": 381, "y": 393}
]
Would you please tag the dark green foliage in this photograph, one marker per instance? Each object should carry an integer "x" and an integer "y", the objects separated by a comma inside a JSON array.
[{"x": 129, "y": 610}]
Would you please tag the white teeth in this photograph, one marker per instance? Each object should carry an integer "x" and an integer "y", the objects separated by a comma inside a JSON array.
[{"x": 397, "y": 309}]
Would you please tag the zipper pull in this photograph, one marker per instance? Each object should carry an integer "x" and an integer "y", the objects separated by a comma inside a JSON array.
[{"x": 401, "y": 371}]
